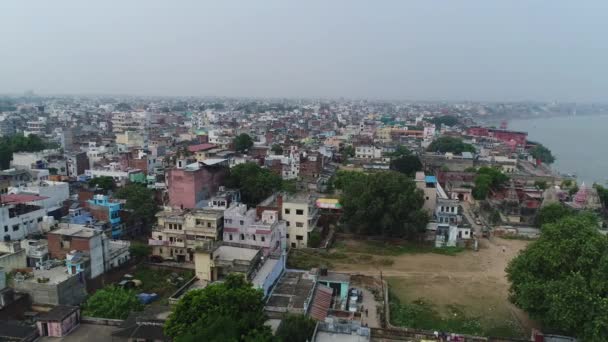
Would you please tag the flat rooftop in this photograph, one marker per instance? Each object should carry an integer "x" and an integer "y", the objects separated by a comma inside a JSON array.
[
  {"x": 323, "y": 336},
  {"x": 82, "y": 232},
  {"x": 230, "y": 253},
  {"x": 56, "y": 275},
  {"x": 291, "y": 292}
]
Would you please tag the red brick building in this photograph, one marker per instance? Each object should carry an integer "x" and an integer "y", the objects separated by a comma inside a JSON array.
[
  {"x": 190, "y": 185},
  {"x": 520, "y": 138}
]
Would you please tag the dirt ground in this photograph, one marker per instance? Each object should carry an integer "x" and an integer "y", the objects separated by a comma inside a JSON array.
[{"x": 474, "y": 281}]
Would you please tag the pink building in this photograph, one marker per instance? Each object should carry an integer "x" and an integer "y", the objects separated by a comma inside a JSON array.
[
  {"x": 243, "y": 227},
  {"x": 59, "y": 322},
  {"x": 191, "y": 185}
]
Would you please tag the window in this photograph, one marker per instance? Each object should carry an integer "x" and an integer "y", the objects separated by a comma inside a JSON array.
[
  {"x": 241, "y": 222},
  {"x": 299, "y": 212},
  {"x": 288, "y": 236},
  {"x": 293, "y": 244},
  {"x": 299, "y": 237},
  {"x": 253, "y": 237},
  {"x": 160, "y": 237},
  {"x": 6, "y": 229},
  {"x": 242, "y": 237},
  {"x": 287, "y": 223},
  {"x": 15, "y": 227},
  {"x": 287, "y": 211},
  {"x": 263, "y": 238},
  {"x": 230, "y": 237},
  {"x": 299, "y": 224},
  {"x": 208, "y": 224}
]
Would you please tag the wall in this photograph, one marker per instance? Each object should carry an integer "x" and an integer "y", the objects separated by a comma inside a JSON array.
[
  {"x": 202, "y": 264},
  {"x": 55, "y": 250},
  {"x": 274, "y": 275},
  {"x": 13, "y": 260},
  {"x": 70, "y": 292},
  {"x": 293, "y": 218}
]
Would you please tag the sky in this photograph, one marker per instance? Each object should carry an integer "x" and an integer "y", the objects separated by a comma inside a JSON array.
[{"x": 479, "y": 50}]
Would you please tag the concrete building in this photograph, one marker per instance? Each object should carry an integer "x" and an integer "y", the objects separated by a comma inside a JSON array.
[
  {"x": 103, "y": 209},
  {"x": 20, "y": 216},
  {"x": 113, "y": 170},
  {"x": 77, "y": 163},
  {"x": 243, "y": 227},
  {"x": 368, "y": 152},
  {"x": 52, "y": 286},
  {"x": 12, "y": 256},
  {"x": 301, "y": 217},
  {"x": 58, "y": 322},
  {"x": 74, "y": 237},
  {"x": 214, "y": 261},
  {"x": 428, "y": 184},
  {"x": 191, "y": 185},
  {"x": 56, "y": 193},
  {"x": 178, "y": 232}
]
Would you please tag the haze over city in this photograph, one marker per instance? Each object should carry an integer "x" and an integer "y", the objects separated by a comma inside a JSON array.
[{"x": 414, "y": 50}]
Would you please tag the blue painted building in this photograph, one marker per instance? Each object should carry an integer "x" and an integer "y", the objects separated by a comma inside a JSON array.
[{"x": 101, "y": 203}]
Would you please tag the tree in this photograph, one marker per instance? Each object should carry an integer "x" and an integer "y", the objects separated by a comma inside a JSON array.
[
  {"x": 560, "y": 279},
  {"x": 450, "y": 144},
  {"x": 139, "y": 250},
  {"x": 346, "y": 153},
  {"x": 314, "y": 240},
  {"x": 544, "y": 154},
  {"x": 104, "y": 182},
  {"x": 243, "y": 142},
  {"x": 542, "y": 185},
  {"x": 296, "y": 328},
  {"x": 255, "y": 183},
  {"x": 112, "y": 302},
  {"x": 602, "y": 192},
  {"x": 400, "y": 151},
  {"x": 383, "y": 203},
  {"x": 233, "y": 304},
  {"x": 407, "y": 165},
  {"x": 448, "y": 120},
  {"x": 141, "y": 201},
  {"x": 488, "y": 178},
  {"x": 552, "y": 213},
  {"x": 19, "y": 143},
  {"x": 277, "y": 149}
]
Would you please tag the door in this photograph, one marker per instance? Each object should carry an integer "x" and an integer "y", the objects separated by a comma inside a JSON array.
[{"x": 45, "y": 329}]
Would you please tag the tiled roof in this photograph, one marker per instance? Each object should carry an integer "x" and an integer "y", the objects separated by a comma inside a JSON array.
[
  {"x": 21, "y": 198},
  {"x": 200, "y": 147},
  {"x": 321, "y": 303}
]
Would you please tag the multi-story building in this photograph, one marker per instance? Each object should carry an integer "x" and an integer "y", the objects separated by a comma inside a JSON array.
[
  {"x": 428, "y": 185},
  {"x": 20, "y": 216},
  {"x": 37, "y": 127},
  {"x": 242, "y": 226},
  {"x": 301, "y": 217},
  {"x": 133, "y": 121},
  {"x": 103, "y": 209},
  {"x": 191, "y": 185},
  {"x": 368, "y": 152},
  {"x": 77, "y": 163},
  {"x": 178, "y": 232},
  {"x": 115, "y": 171}
]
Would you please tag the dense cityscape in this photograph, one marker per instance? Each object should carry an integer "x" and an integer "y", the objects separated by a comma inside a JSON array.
[{"x": 219, "y": 219}]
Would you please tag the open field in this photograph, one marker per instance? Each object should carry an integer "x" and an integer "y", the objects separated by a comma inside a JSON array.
[{"x": 463, "y": 290}]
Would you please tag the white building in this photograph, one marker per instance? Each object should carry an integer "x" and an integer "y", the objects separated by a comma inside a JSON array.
[
  {"x": 56, "y": 193},
  {"x": 111, "y": 170},
  {"x": 19, "y": 216},
  {"x": 301, "y": 216},
  {"x": 368, "y": 152},
  {"x": 242, "y": 226}
]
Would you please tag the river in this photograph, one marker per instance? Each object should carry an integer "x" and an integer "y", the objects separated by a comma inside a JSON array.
[{"x": 579, "y": 143}]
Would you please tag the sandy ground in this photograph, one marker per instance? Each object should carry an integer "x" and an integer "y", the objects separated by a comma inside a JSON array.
[{"x": 473, "y": 280}]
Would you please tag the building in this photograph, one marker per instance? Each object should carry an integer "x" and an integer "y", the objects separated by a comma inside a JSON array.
[
  {"x": 520, "y": 138},
  {"x": 53, "y": 286},
  {"x": 202, "y": 151},
  {"x": 368, "y": 152},
  {"x": 12, "y": 256},
  {"x": 77, "y": 163},
  {"x": 178, "y": 232},
  {"x": 242, "y": 226},
  {"x": 301, "y": 217},
  {"x": 58, "y": 322},
  {"x": 114, "y": 170},
  {"x": 214, "y": 261},
  {"x": 103, "y": 210},
  {"x": 190, "y": 186},
  {"x": 20, "y": 215},
  {"x": 428, "y": 185}
]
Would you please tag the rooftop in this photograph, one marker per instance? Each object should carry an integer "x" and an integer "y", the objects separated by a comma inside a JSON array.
[
  {"x": 230, "y": 253},
  {"x": 78, "y": 231},
  {"x": 58, "y": 313},
  {"x": 21, "y": 198},
  {"x": 200, "y": 147},
  {"x": 291, "y": 293}
]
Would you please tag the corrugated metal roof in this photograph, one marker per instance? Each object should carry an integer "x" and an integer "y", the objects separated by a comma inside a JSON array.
[{"x": 321, "y": 302}]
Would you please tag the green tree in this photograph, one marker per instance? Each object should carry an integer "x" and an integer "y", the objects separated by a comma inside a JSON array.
[
  {"x": 448, "y": 120},
  {"x": 542, "y": 185},
  {"x": 255, "y": 182},
  {"x": 407, "y": 165},
  {"x": 602, "y": 192},
  {"x": 383, "y": 203},
  {"x": 560, "y": 279},
  {"x": 277, "y": 149},
  {"x": 314, "y": 240},
  {"x": 141, "y": 201},
  {"x": 243, "y": 142},
  {"x": 139, "y": 250},
  {"x": 488, "y": 178},
  {"x": 296, "y": 328},
  {"x": 19, "y": 143},
  {"x": 104, "y": 182},
  {"x": 346, "y": 153},
  {"x": 400, "y": 151},
  {"x": 544, "y": 154},
  {"x": 552, "y": 213},
  {"x": 232, "y": 304},
  {"x": 450, "y": 144},
  {"x": 112, "y": 302},
  {"x": 343, "y": 179}
]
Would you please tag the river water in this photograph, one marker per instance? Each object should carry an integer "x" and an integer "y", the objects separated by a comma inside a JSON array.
[{"x": 579, "y": 143}]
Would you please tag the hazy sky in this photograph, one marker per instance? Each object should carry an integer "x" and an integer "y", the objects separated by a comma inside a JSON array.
[{"x": 452, "y": 50}]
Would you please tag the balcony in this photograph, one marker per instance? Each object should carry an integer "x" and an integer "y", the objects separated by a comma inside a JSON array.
[{"x": 166, "y": 243}]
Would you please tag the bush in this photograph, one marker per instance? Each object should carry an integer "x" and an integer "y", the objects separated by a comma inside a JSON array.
[{"x": 314, "y": 240}]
